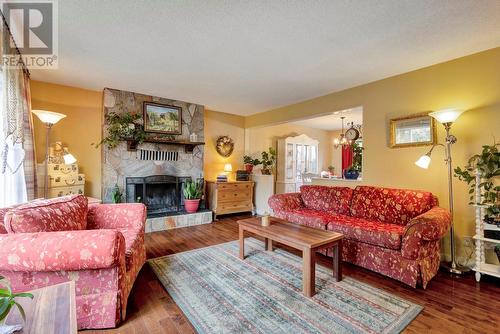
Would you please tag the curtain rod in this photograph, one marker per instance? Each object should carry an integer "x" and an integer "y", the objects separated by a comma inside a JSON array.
[{"x": 25, "y": 69}]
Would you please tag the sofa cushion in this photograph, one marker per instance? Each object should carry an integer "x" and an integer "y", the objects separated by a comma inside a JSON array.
[
  {"x": 66, "y": 213},
  {"x": 368, "y": 231},
  {"x": 329, "y": 199},
  {"x": 310, "y": 217},
  {"x": 394, "y": 206}
]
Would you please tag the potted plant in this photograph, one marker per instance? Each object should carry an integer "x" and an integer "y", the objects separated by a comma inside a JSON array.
[
  {"x": 250, "y": 163},
  {"x": 8, "y": 300},
  {"x": 488, "y": 164},
  {"x": 192, "y": 191},
  {"x": 116, "y": 195},
  {"x": 352, "y": 172},
  {"x": 268, "y": 161},
  {"x": 122, "y": 127}
]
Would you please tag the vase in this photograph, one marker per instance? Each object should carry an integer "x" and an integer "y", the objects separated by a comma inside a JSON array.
[
  {"x": 351, "y": 174},
  {"x": 249, "y": 168},
  {"x": 191, "y": 205}
]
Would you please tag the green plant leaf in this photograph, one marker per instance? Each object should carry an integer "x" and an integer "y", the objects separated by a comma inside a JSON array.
[{"x": 21, "y": 310}]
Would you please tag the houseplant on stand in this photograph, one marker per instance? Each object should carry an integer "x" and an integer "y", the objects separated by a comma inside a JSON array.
[
  {"x": 268, "y": 161},
  {"x": 352, "y": 173},
  {"x": 7, "y": 301},
  {"x": 250, "y": 163},
  {"x": 193, "y": 190}
]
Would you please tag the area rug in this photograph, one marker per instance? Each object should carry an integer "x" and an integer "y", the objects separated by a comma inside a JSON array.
[{"x": 219, "y": 293}]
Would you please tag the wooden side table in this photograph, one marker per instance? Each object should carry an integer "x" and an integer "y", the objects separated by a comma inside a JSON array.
[{"x": 52, "y": 310}]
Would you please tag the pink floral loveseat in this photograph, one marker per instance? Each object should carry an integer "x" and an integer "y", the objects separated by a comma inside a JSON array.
[
  {"x": 100, "y": 247},
  {"x": 394, "y": 232}
]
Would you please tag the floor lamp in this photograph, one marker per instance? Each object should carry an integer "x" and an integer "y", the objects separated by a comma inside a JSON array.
[
  {"x": 49, "y": 118},
  {"x": 446, "y": 117}
]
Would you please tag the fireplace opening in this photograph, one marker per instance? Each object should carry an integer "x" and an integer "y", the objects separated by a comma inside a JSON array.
[{"x": 162, "y": 194}]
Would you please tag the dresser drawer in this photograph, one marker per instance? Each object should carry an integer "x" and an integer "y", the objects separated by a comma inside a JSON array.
[
  {"x": 232, "y": 195},
  {"x": 66, "y": 180},
  {"x": 230, "y": 207},
  {"x": 64, "y": 191},
  {"x": 234, "y": 186}
]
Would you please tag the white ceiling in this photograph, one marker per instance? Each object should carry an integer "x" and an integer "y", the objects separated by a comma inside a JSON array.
[
  {"x": 333, "y": 121},
  {"x": 245, "y": 57}
]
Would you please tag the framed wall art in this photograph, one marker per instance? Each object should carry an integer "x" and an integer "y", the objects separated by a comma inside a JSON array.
[
  {"x": 161, "y": 118},
  {"x": 415, "y": 130}
]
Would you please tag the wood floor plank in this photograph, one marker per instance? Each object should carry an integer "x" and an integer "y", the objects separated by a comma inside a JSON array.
[{"x": 451, "y": 304}]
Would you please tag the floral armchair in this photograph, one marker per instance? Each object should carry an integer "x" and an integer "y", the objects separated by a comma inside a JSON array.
[{"x": 100, "y": 247}]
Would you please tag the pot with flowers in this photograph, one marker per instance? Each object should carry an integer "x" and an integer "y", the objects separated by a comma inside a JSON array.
[
  {"x": 7, "y": 302},
  {"x": 250, "y": 163},
  {"x": 192, "y": 191}
]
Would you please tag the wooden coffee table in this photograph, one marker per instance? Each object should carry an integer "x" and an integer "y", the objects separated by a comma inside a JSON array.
[{"x": 306, "y": 239}]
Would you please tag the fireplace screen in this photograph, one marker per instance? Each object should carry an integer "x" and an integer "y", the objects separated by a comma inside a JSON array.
[{"x": 162, "y": 194}]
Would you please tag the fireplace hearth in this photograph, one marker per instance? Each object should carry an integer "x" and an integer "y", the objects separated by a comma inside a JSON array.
[{"x": 162, "y": 194}]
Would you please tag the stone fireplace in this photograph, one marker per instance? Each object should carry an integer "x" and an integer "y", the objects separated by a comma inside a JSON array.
[
  {"x": 162, "y": 194},
  {"x": 154, "y": 172}
]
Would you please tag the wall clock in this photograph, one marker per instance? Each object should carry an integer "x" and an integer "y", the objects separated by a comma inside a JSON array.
[{"x": 352, "y": 134}]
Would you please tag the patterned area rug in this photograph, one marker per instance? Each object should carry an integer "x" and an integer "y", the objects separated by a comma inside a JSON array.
[{"x": 219, "y": 293}]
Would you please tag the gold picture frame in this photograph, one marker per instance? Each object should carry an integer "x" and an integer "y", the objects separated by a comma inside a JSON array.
[{"x": 413, "y": 130}]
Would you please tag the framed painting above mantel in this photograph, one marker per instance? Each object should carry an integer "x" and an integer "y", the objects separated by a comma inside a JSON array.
[
  {"x": 162, "y": 118},
  {"x": 414, "y": 130}
]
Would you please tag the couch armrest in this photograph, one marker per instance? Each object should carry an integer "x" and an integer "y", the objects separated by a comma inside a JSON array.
[
  {"x": 429, "y": 226},
  {"x": 64, "y": 250},
  {"x": 112, "y": 216},
  {"x": 285, "y": 202}
]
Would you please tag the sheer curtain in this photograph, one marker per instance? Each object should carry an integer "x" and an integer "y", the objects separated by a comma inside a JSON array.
[{"x": 17, "y": 164}]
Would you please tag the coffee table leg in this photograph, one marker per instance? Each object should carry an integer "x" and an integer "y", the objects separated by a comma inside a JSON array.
[
  {"x": 337, "y": 258},
  {"x": 241, "y": 234},
  {"x": 309, "y": 272},
  {"x": 269, "y": 244}
]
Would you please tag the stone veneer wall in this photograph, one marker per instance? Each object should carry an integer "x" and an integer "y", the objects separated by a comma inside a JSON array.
[{"x": 119, "y": 163}]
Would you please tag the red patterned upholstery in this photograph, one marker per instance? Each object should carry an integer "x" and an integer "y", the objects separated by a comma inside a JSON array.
[
  {"x": 394, "y": 232},
  {"x": 330, "y": 199},
  {"x": 395, "y": 206},
  {"x": 310, "y": 217},
  {"x": 370, "y": 232},
  {"x": 103, "y": 260},
  {"x": 66, "y": 213}
]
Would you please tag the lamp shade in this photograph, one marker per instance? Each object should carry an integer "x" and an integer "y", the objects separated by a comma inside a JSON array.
[
  {"x": 424, "y": 161},
  {"x": 48, "y": 117},
  {"x": 69, "y": 159},
  {"x": 228, "y": 168},
  {"x": 446, "y": 115}
]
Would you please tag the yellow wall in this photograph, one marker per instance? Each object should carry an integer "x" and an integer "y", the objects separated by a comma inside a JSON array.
[
  {"x": 220, "y": 124},
  {"x": 259, "y": 139},
  {"x": 83, "y": 125},
  {"x": 471, "y": 83},
  {"x": 78, "y": 130}
]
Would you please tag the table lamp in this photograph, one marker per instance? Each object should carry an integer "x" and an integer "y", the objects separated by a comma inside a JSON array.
[
  {"x": 228, "y": 168},
  {"x": 49, "y": 118},
  {"x": 446, "y": 117}
]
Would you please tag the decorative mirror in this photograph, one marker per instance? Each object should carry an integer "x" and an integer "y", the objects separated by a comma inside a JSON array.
[
  {"x": 415, "y": 130},
  {"x": 224, "y": 146}
]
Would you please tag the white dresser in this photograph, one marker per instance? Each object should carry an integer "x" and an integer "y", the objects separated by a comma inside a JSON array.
[
  {"x": 296, "y": 155},
  {"x": 63, "y": 180}
]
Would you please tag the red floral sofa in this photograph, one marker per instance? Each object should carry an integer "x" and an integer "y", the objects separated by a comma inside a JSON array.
[
  {"x": 100, "y": 247},
  {"x": 394, "y": 232}
]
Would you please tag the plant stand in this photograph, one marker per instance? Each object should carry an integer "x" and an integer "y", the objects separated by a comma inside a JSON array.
[{"x": 481, "y": 267}]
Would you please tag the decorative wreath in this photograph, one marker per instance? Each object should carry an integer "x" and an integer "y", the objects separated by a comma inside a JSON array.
[{"x": 224, "y": 146}]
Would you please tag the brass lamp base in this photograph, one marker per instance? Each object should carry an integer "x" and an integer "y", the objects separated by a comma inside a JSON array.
[{"x": 453, "y": 268}]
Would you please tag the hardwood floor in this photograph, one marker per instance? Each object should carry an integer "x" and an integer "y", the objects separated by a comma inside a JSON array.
[{"x": 451, "y": 304}]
